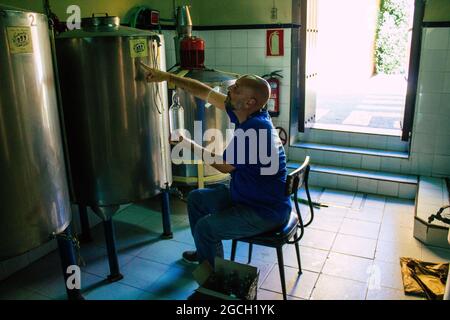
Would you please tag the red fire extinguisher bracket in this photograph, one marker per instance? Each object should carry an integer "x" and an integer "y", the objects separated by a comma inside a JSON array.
[{"x": 273, "y": 105}]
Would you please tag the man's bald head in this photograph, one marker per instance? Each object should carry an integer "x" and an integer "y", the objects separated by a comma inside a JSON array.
[{"x": 259, "y": 88}]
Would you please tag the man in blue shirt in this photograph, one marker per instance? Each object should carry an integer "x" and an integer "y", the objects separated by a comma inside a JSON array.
[{"x": 255, "y": 200}]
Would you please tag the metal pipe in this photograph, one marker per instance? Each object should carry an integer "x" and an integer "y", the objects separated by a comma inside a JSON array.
[
  {"x": 112, "y": 252},
  {"x": 167, "y": 232},
  {"x": 67, "y": 255}
]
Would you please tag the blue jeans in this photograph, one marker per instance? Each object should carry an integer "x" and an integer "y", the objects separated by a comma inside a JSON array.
[{"x": 214, "y": 217}]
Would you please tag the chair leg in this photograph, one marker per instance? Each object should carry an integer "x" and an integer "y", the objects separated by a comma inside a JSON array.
[
  {"x": 311, "y": 209},
  {"x": 297, "y": 250},
  {"x": 281, "y": 267},
  {"x": 233, "y": 249},
  {"x": 250, "y": 251}
]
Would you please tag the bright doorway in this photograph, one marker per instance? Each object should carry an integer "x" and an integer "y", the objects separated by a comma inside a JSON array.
[{"x": 363, "y": 57}]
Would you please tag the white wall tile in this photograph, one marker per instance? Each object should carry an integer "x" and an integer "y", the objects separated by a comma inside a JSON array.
[
  {"x": 347, "y": 183},
  {"x": 239, "y": 69},
  {"x": 314, "y": 179},
  {"x": 436, "y": 38},
  {"x": 287, "y": 58},
  {"x": 423, "y": 142},
  {"x": 341, "y": 138},
  {"x": 359, "y": 140},
  {"x": 256, "y": 38},
  {"x": 323, "y": 136},
  {"x": 273, "y": 62},
  {"x": 223, "y": 57},
  {"x": 426, "y": 123},
  {"x": 371, "y": 162},
  {"x": 431, "y": 82},
  {"x": 441, "y": 165},
  {"x": 256, "y": 57},
  {"x": 328, "y": 180},
  {"x": 285, "y": 92},
  {"x": 422, "y": 164},
  {"x": 296, "y": 154},
  {"x": 210, "y": 39},
  {"x": 223, "y": 39},
  {"x": 332, "y": 159},
  {"x": 405, "y": 166},
  {"x": 433, "y": 60},
  {"x": 258, "y": 70},
  {"x": 395, "y": 143},
  {"x": 442, "y": 145},
  {"x": 239, "y": 57},
  {"x": 429, "y": 103},
  {"x": 286, "y": 73},
  {"x": 284, "y": 114},
  {"x": 210, "y": 57},
  {"x": 390, "y": 164},
  {"x": 407, "y": 191},
  {"x": 316, "y": 156},
  {"x": 367, "y": 185},
  {"x": 170, "y": 58},
  {"x": 446, "y": 86},
  {"x": 287, "y": 39},
  {"x": 388, "y": 188},
  {"x": 377, "y": 142},
  {"x": 239, "y": 38},
  {"x": 351, "y": 160},
  {"x": 443, "y": 126},
  {"x": 447, "y": 63},
  {"x": 445, "y": 104}
]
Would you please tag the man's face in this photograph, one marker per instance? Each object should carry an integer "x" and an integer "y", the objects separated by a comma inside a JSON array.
[{"x": 237, "y": 96}]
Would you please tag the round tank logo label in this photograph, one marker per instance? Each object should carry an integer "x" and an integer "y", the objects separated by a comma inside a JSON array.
[
  {"x": 138, "y": 48},
  {"x": 19, "y": 39}
]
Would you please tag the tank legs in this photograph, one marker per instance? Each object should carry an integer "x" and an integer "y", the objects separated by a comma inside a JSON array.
[
  {"x": 85, "y": 236},
  {"x": 167, "y": 232},
  {"x": 115, "y": 274},
  {"x": 69, "y": 265}
]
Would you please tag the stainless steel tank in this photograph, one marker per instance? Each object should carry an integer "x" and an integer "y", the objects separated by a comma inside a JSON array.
[
  {"x": 34, "y": 197},
  {"x": 116, "y": 123},
  {"x": 210, "y": 117}
]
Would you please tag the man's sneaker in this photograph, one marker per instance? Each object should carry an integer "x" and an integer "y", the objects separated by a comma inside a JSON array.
[{"x": 190, "y": 257}]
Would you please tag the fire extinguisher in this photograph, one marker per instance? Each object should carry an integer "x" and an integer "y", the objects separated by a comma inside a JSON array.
[{"x": 273, "y": 105}]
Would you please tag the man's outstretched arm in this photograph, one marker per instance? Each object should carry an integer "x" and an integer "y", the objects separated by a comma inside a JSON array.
[{"x": 195, "y": 87}]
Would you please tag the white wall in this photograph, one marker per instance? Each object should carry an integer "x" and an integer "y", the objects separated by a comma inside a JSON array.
[
  {"x": 244, "y": 52},
  {"x": 430, "y": 152}
]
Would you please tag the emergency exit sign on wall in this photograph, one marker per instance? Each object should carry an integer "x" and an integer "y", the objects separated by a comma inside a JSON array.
[{"x": 274, "y": 43}]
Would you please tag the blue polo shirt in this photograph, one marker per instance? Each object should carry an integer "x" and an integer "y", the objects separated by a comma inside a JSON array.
[{"x": 259, "y": 180}]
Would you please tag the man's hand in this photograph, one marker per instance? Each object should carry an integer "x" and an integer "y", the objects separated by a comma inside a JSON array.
[{"x": 154, "y": 75}]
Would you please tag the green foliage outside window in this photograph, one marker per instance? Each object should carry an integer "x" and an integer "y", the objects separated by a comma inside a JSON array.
[{"x": 392, "y": 37}]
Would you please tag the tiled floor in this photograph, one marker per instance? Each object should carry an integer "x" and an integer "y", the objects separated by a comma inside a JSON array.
[{"x": 350, "y": 251}]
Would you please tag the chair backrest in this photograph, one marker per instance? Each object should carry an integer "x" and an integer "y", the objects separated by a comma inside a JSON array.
[{"x": 297, "y": 178}]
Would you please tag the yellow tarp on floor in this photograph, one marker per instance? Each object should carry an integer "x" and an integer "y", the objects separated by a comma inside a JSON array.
[{"x": 424, "y": 279}]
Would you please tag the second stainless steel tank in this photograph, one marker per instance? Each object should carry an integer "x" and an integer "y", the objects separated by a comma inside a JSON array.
[
  {"x": 209, "y": 117},
  {"x": 116, "y": 122}
]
